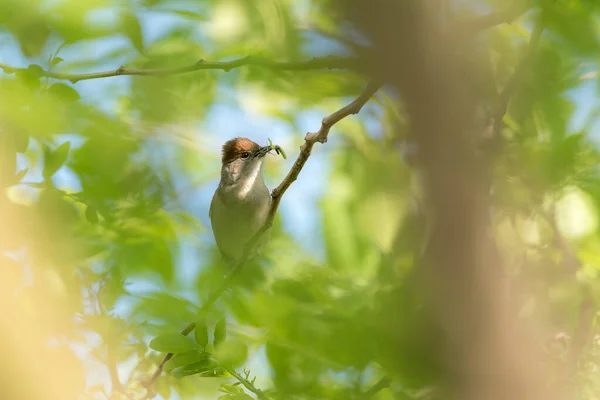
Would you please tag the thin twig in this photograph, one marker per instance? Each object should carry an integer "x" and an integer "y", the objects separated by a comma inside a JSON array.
[
  {"x": 321, "y": 136},
  {"x": 309, "y": 140},
  {"x": 329, "y": 62}
]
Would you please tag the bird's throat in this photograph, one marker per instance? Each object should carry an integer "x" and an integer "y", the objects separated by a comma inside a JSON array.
[
  {"x": 244, "y": 187},
  {"x": 248, "y": 181}
]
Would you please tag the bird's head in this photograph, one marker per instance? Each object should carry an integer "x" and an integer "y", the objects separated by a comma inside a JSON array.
[{"x": 242, "y": 159}]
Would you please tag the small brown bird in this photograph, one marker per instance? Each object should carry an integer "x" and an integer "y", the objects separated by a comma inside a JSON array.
[{"x": 240, "y": 205}]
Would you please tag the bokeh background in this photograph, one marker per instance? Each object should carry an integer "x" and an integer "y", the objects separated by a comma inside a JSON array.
[{"x": 105, "y": 237}]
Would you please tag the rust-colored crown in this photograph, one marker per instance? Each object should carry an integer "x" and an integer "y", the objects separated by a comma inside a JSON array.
[{"x": 234, "y": 148}]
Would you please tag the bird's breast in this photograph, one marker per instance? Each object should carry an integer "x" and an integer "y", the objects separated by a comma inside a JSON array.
[{"x": 236, "y": 218}]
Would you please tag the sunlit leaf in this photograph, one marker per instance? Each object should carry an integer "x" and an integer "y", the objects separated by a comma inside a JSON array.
[
  {"x": 56, "y": 60},
  {"x": 575, "y": 26},
  {"x": 187, "y": 358},
  {"x": 31, "y": 76},
  {"x": 131, "y": 27},
  {"x": 91, "y": 214},
  {"x": 220, "y": 334},
  {"x": 172, "y": 343},
  {"x": 64, "y": 92},
  {"x": 232, "y": 353},
  {"x": 193, "y": 369},
  {"x": 576, "y": 214},
  {"x": 19, "y": 175},
  {"x": 54, "y": 159},
  {"x": 188, "y": 14},
  {"x": 201, "y": 333}
]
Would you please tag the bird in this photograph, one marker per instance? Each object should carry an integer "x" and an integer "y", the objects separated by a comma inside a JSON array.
[{"x": 241, "y": 202}]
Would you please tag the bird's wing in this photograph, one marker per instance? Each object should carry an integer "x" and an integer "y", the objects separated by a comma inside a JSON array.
[{"x": 218, "y": 214}]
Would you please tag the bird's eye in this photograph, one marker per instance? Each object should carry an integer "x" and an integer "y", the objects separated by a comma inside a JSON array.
[{"x": 245, "y": 154}]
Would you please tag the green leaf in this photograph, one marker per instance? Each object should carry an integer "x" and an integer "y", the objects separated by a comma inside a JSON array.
[
  {"x": 193, "y": 369},
  {"x": 91, "y": 214},
  {"x": 577, "y": 27},
  {"x": 130, "y": 26},
  {"x": 149, "y": 253},
  {"x": 32, "y": 29},
  {"x": 64, "y": 92},
  {"x": 58, "y": 213},
  {"x": 231, "y": 388},
  {"x": 220, "y": 332},
  {"x": 190, "y": 357},
  {"x": 31, "y": 76},
  {"x": 171, "y": 309},
  {"x": 172, "y": 343},
  {"x": 35, "y": 70},
  {"x": 232, "y": 353},
  {"x": 187, "y": 358},
  {"x": 57, "y": 60},
  {"x": 201, "y": 333},
  {"x": 19, "y": 175},
  {"x": 55, "y": 159},
  {"x": 189, "y": 14}
]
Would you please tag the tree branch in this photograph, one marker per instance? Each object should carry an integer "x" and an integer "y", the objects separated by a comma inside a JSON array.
[
  {"x": 305, "y": 151},
  {"x": 329, "y": 62},
  {"x": 321, "y": 136}
]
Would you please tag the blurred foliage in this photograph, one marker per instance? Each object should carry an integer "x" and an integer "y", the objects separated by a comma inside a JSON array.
[{"x": 95, "y": 234}]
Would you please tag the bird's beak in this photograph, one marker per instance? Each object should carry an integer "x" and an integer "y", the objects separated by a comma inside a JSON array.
[{"x": 262, "y": 151}]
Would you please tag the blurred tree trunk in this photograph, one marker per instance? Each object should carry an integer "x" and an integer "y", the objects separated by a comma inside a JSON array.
[{"x": 486, "y": 351}]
